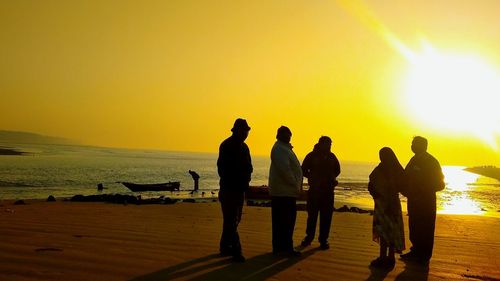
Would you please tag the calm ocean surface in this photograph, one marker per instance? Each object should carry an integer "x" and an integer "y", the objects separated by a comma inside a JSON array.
[{"x": 64, "y": 171}]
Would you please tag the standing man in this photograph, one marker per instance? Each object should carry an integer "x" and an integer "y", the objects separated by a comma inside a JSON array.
[
  {"x": 235, "y": 168},
  {"x": 321, "y": 167},
  {"x": 196, "y": 178},
  {"x": 424, "y": 178},
  {"x": 285, "y": 182}
]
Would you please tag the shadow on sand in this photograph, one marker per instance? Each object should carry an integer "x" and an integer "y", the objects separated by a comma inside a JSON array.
[
  {"x": 413, "y": 272},
  {"x": 221, "y": 268},
  {"x": 377, "y": 274}
]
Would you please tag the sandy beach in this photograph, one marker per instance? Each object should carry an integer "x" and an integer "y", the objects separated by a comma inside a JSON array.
[{"x": 102, "y": 241}]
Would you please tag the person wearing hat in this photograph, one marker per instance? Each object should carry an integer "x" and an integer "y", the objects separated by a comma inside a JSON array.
[
  {"x": 285, "y": 182},
  {"x": 234, "y": 166}
]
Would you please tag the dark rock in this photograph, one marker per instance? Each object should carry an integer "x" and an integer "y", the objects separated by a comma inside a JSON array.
[
  {"x": 169, "y": 200},
  {"x": 48, "y": 249},
  {"x": 354, "y": 210},
  {"x": 77, "y": 198},
  {"x": 301, "y": 207},
  {"x": 19, "y": 202},
  {"x": 258, "y": 203},
  {"x": 189, "y": 200},
  {"x": 51, "y": 199},
  {"x": 251, "y": 203},
  {"x": 343, "y": 209},
  {"x": 123, "y": 199}
]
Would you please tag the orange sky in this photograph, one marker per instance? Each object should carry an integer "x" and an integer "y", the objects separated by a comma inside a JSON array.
[{"x": 174, "y": 75}]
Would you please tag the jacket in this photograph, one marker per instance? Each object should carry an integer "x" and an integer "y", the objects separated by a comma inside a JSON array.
[
  {"x": 285, "y": 174},
  {"x": 423, "y": 176},
  {"x": 321, "y": 170},
  {"x": 234, "y": 165}
]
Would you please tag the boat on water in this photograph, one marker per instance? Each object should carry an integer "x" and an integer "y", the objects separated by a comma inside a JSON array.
[
  {"x": 487, "y": 171},
  {"x": 167, "y": 186}
]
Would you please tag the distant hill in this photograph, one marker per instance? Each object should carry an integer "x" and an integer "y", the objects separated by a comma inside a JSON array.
[{"x": 32, "y": 138}]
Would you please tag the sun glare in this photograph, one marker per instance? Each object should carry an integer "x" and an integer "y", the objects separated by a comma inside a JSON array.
[
  {"x": 443, "y": 90},
  {"x": 461, "y": 205},
  {"x": 454, "y": 92}
]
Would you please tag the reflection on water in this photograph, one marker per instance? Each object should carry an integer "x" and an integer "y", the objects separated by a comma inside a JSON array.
[
  {"x": 460, "y": 204},
  {"x": 457, "y": 179},
  {"x": 467, "y": 193},
  {"x": 64, "y": 171}
]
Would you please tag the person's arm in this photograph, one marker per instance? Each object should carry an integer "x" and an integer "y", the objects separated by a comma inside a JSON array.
[
  {"x": 248, "y": 160},
  {"x": 371, "y": 189},
  {"x": 336, "y": 169},
  {"x": 336, "y": 166},
  {"x": 371, "y": 184},
  {"x": 222, "y": 161},
  {"x": 405, "y": 179},
  {"x": 436, "y": 177},
  {"x": 306, "y": 166}
]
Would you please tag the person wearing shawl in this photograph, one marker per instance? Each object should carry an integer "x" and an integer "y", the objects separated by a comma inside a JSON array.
[{"x": 386, "y": 181}]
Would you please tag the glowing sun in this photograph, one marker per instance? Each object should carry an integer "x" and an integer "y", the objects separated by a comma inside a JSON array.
[{"x": 454, "y": 92}]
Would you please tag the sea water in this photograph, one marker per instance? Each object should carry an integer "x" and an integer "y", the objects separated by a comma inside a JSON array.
[{"x": 67, "y": 170}]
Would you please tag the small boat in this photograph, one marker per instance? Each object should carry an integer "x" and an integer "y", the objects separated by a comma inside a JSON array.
[
  {"x": 167, "y": 186},
  {"x": 486, "y": 171}
]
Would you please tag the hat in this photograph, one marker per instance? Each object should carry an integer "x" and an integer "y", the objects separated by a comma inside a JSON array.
[{"x": 240, "y": 124}]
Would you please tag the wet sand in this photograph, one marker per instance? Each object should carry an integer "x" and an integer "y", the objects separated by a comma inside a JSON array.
[{"x": 102, "y": 241}]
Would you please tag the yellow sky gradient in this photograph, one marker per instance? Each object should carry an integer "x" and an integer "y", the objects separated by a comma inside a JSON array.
[{"x": 174, "y": 75}]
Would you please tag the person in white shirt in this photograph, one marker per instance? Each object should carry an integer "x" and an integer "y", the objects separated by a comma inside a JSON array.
[{"x": 285, "y": 182}]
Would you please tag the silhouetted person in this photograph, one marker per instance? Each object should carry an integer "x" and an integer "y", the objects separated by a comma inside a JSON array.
[
  {"x": 321, "y": 167},
  {"x": 424, "y": 178},
  {"x": 100, "y": 187},
  {"x": 285, "y": 182},
  {"x": 235, "y": 168},
  {"x": 196, "y": 178},
  {"x": 388, "y": 230}
]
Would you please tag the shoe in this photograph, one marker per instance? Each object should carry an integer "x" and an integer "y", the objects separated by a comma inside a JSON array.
[
  {"x": 408, "y": 256},
  {"x": 294, "y": 253},
  {"x": 390, "y": 263},
  {"x": 225, "y": 253},
  {"x": 422, "y": 261},
  {"x": 378, "y": 262},
  {"x": 324, "y": 245},
  {"x": 238, "y": 258},
  {"x": 306, "y": 242},
  {"x": 291, "y": 253}
]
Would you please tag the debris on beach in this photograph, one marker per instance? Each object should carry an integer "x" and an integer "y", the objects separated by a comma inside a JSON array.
[
  {"x": 303, "y": 207},
  {"x": 19, "y": 202},
  {"x": 122, "y": 199},
  {"x": 48, "y": 249}
]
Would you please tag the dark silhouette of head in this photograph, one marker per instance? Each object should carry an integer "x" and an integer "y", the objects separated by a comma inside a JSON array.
[
  {"x": 284, "y": 134},
  {"x": 419, "y": 145},
  {"x": 240, "y": 129},
  {"x": 388, "y": 159},
  {"x": 324, "y": 144},
  {"x": 387, "y": 155}
]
